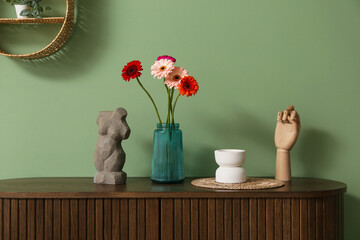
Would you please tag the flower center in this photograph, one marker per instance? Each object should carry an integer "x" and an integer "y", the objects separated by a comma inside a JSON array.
[
  {"x": 176, "y": 77},
  {"x": 131, "y": 70},
  {"x": 162, "y": 68}
]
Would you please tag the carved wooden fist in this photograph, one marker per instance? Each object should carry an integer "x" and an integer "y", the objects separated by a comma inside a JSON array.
[
  {"x": 287, "y": 129},
  {"x": 286, "y": 133}
]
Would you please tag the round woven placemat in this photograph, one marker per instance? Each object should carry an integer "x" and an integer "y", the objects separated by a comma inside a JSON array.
[{"x": 250, "y": 184}]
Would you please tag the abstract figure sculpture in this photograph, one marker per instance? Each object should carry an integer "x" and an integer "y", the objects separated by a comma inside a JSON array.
[
  {"x": 286, "y": 133},
  {"x": 109, "y": 155}
]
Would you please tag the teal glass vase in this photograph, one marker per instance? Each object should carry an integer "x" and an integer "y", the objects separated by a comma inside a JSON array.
[{"x": 167, "y": 160}]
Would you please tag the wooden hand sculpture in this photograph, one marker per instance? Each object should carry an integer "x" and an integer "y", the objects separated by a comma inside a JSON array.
[{"x": 286, "y": 133}]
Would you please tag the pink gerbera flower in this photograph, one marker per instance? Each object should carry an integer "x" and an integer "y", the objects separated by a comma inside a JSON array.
[
  {"x": 162, "y": 68},
  {"x": 173, "y": 79},
  {"x": 166, "y": 57}
]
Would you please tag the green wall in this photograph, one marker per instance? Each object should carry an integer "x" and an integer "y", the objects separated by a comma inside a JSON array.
[{"x": 251, "y": 58}]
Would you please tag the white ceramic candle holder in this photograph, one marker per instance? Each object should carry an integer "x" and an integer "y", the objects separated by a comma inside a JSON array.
[{"x": 230, "y": 170}]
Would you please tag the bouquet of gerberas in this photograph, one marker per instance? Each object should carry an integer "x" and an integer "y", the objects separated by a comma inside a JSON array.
[
  {"x": 173, "y": 77},
  {"x": 167, "y": 159}
]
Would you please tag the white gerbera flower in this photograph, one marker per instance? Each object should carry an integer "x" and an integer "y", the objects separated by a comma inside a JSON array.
[{"x": 162, "y": 68}]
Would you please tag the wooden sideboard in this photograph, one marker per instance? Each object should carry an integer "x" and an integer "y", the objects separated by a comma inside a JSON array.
[{"x": 75, "y": 208}]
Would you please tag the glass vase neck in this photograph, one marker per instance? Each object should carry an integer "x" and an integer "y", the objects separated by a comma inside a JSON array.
[{"x": 166, "y": 126}]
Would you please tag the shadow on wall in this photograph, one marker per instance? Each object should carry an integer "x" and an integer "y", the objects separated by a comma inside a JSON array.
[
  {"x": 243, "y": 124},
  {"x": 316, "y": 151},
  {"x": 200, "y": 162},
  {"x": 315, "y": 148},
  {"x": 239, "y": 129},
  {"x": 352, "y": 214},
  {"x": 83, "y": 48}
]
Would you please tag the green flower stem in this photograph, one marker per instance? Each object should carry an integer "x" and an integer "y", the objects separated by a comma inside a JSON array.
[
  {"x": 152, "y": 100},
  {"x": 172, "y": 94},
  {"x": 167, "y": 91},
  {"x": 169, "y": 107},
  {"x": 173, "y": 110},
  {"x": 166, "y": 87},
  {"x": 171, "y": 104}
]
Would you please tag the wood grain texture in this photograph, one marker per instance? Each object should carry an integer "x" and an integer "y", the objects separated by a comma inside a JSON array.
[
  {"x": 99, "y": 219},
  {"x": 319, "y": 218},
  {"x": 270, "y": 219},
  {"x": 22, "y": 219},
  {"x": 1, "y": 218},
  {"x": 82, "y": 219},
  {"x": 173, "y": 218},
  {"x": 132, "y": 219},
  {"x": 107, "y": 219},
  {"x": 48, "y": 220},
  {"x": 57, "y": 219},
  {"x": 286, "y": 219},
  {"x": 90, "y": 209},
  {"x": 329, "y": 218},
  {"x": 295, "y": 218},
  {"x": 6, "y": 219},
  {"x": 311, "y": 210},
  {"x": 337, "y": 216},
  {"x": 194, "y": 229},
  {"x": 228, "y": 219},
  {"x": 278, "y": 218},
  {"x": 74, "y": 219},
  {"x": 304, "y": 233},
  {"x": 124, "y": 218},
  {"x": 14, "y": 217},
  {"x": 211, "y": 219},
  {"x": 141, "y": 220},
  {"x": 65, "y": 219},
  {"x": 186, "y": 218},
  {"x": 341, "y": 216},
  {"x": 178, "y": 219},
  {"x": 245, "y": 234},
  {"x": 253, "y": 225},
  {"x": 30, "y": 219},
  {"x": 115, "y": 221},
  {"x": 40, "y": 205},
  {"x": 298, "y": 218},
  {"x": 236, "y": 220},
  {"x": 219, "y": 225},
  {"x": 167, "y": 219},
  {"x": 69, "y": 188},
  {"x": 261, "y": 219},
  {"x": 152, "y": 219},
  {"x": 203, "y": 219}
]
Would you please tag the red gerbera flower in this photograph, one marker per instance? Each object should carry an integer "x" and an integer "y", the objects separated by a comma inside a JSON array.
[
  {"x": 131, "y": 70},
  {"x": 188, "y": 86}
]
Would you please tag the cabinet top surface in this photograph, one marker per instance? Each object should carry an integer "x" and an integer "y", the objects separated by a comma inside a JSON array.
[{"x": 144, "y": 188}]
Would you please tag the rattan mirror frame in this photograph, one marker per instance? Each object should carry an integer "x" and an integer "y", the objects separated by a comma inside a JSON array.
[{"x": 60, "y": 39}]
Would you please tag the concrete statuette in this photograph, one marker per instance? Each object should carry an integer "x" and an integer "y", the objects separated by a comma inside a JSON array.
[{"x": 109, "y": 156}]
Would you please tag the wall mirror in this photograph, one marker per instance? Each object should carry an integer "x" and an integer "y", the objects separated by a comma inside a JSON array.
[{"x": 48, "y": 25}]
